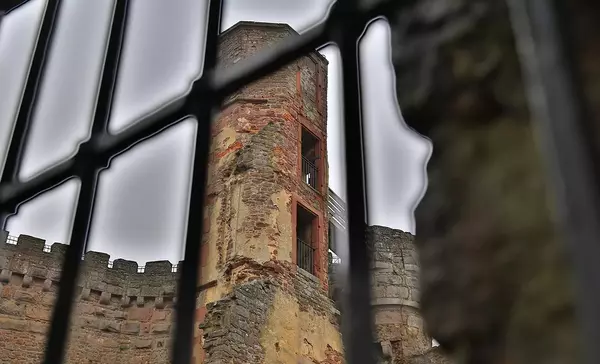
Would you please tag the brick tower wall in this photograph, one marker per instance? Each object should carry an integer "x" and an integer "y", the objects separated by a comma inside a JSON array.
[{"x": 263, "y": 307}]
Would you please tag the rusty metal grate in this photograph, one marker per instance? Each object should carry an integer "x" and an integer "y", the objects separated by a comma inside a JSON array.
[{"x": 344, "y": 26}]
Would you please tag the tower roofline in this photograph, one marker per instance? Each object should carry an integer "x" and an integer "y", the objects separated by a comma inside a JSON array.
[{"x": 258, "y": 24}]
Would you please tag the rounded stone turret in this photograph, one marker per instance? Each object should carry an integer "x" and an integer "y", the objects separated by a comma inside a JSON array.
[{"x": 398, "y": 324}]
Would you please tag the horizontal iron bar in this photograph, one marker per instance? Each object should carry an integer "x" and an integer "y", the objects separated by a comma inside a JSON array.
[{"x": 8, "y": 6}]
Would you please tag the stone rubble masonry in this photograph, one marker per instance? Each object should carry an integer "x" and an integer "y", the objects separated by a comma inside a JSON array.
[
  {"x": 246, "y": 325},
  {"x": 255, "y": 179},
  {"x": 120, "y": 316},
  {"x": 399, "y": 326}
]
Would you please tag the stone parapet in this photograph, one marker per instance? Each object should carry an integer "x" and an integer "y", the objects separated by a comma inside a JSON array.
[{"x": 30, "y": 261}]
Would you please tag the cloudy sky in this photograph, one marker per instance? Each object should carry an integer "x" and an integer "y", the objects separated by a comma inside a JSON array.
[{"x": 142, "y": 198}]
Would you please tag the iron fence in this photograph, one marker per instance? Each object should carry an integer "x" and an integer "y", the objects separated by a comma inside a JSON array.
[
  {"x": 305, "y": 256},
  {"x": 558, "y": 109},
  {"x": 309, "y": 171}
]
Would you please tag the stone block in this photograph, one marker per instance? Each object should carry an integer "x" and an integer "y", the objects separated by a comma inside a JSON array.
[
  {"x": 161, "y": 328},
  {"x": 47, "y": 285},
  {"x": 37, "y": 312},
  {"x": 25, "y": 296},
  {"x": 96, "y": 260},
  {"x": 4, "y": 262},
  {"x": 13, "y": 324},
  {"x": 142, "y": 343},
  {"x": 130, "y": 327},
  {"x": 159, "y": 315},
  {"x": 27, "y": 280},
  {"x": 105, "y": 298},
  {"x": 48, "y": 299},
  {"x": 161, "y": 267},
  {"x": 38, "y": 272},
  {"x": 140, "y": 313},
  {"x": 125, "y": 265},
  {"x": 125, "y": 301},
  {"x": 8, "y": 307},
  {"x": 90, "y": 322},
  {"x": 5, "y": 275},
  {"x": 38, "y": 328},
  {"x": 85, "y": 293},
  {"x": 110, "y": 326}
]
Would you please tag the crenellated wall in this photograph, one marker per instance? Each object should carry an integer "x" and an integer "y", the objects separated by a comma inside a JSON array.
[{"x": 120, "y": 315}]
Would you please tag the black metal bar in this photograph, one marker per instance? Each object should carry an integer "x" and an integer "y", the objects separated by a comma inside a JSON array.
[
  {"x": 305, "y": 255},
  {"x": 309, "y": 169},
  {"x": 7, "y": 6},
  {"x": 16, "y": 193},
  {"x": 60, "y": 324},
  {"x": 88, "y": 165},
  {"x": 203, "y": 105},
  {"x": 557, "y": 102},
  {"x": 357, "y": 335},
  {"x": 28, "y": 101}
]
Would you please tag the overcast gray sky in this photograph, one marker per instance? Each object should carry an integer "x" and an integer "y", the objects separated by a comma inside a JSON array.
[{"x": 142, "y": 198}]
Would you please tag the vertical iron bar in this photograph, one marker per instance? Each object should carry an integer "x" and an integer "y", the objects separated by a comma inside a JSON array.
[
  {"x": 57, "y": 335},
  {"x": 202, "y": 103},
  {"x": 29, "y": 98},
  {"x": 557, "y": 101},
  {"x": 357, "y": 335},
  {"x": 89, "y": 166}
]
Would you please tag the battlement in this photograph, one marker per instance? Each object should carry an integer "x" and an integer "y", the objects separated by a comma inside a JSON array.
[{"x": 29, "y": 261}]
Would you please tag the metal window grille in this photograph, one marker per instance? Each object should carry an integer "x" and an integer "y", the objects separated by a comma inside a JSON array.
[
  {"x": 48, "y": 249},
  {"x": 305, "y": 254},
  {"x": 309, "y": 171},
  {"x": 559, "y": 109}
]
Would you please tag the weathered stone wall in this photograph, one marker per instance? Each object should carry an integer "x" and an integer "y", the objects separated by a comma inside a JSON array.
[
  {"x": 253, "y": 187},
  {"x": 120, "y": 315},
  {"x": 255, "y": 174},
  {"x": 275, "y": 313},
  {"x": 398, "y": 324}
]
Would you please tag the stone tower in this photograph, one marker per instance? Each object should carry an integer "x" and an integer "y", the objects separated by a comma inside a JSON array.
[
  {"x": 265, "y": 247},
  {"x": 399, "y": 327}
]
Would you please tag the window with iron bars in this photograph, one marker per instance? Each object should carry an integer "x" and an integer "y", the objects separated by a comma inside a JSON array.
[
  {"x": 305, "y": 239},
  {"x": 310, "y": 158},
  {"x": 343, "y": 26}
]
